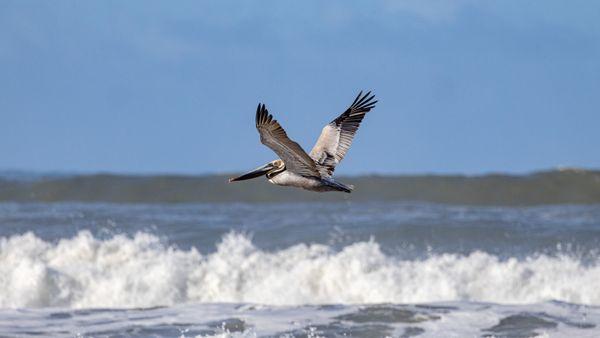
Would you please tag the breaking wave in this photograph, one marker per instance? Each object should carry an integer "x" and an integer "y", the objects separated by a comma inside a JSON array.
[{"x": 141, "y": 271}]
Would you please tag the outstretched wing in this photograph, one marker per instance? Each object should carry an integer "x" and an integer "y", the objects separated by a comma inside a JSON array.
[
  {"x": 273, "y": 136},
  {"x": 337, "y": 136}
]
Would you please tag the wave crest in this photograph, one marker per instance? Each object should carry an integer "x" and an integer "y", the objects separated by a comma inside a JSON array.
[{"x": 140, "y": 271}]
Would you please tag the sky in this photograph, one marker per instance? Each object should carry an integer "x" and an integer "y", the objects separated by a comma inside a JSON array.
[{"x": 465, "y": 86}]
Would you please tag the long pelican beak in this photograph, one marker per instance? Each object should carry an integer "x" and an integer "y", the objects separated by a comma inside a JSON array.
[{"x": 254, "y": 173}]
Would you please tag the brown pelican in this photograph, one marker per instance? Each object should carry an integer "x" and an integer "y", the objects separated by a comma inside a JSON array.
[{"x": 295, "y": 167}]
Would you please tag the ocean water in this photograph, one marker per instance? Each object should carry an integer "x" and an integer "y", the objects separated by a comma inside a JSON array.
[{"x": 299, "y": 270}]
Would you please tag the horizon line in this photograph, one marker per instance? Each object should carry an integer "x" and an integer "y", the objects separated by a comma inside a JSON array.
[{"x": 69, "y": 173}]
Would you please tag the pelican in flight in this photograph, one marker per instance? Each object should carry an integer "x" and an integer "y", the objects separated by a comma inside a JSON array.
[{"x": 312, "y": 171}]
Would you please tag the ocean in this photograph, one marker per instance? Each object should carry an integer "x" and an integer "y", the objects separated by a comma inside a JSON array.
[{"x": 310, "y": 269}]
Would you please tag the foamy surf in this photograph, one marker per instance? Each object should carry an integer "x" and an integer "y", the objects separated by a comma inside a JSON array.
[{"x": 142, "y": 271}]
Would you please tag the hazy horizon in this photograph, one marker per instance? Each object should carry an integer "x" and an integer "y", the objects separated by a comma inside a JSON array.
[{"x": 10, "y": 171}]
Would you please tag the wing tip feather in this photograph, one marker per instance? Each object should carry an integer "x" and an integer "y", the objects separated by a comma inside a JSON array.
[
  {"x": 363, "y": 103},
  {"x": 262, "y": 115}
]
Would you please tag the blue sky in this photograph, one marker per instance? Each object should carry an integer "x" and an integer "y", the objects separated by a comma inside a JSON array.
[{"x": 171, "y": 87}]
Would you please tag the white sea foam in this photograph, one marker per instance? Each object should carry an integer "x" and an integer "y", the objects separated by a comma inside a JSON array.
[{"x": 140, "y": 271}]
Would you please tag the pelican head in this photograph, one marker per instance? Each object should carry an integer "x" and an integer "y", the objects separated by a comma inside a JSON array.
[{"x": 270, "y": 169}]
